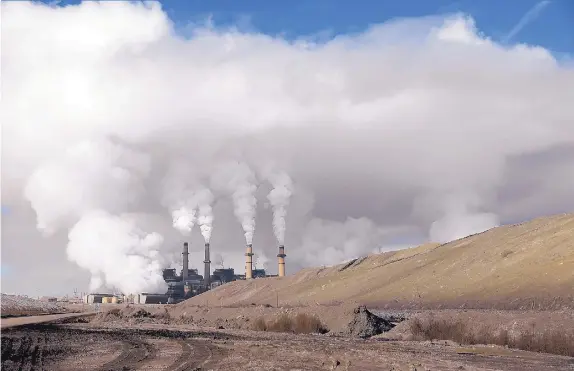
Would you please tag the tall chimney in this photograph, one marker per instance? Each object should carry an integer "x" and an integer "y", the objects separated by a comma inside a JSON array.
[
  {"x": 185, "y": 254},
  {"x": 207, "y": 267},
  {"x": 249, "y": 262},
  {"x": 281, "y": 260}
]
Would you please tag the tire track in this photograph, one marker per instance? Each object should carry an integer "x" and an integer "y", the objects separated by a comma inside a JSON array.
[
  {"x": 194, "y": 354},
  {"x": 134, "y": 351}
]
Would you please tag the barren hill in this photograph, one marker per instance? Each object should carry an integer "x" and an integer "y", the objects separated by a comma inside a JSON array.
[{"x": 528, "y": 265}]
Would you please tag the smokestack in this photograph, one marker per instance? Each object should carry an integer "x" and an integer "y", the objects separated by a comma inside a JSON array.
[
  {"x": 185, "y": 254},
  {"x": 249, "y": 262},
  {"x": 207, "y": 267},
  {"x": 281, "y": 260}
]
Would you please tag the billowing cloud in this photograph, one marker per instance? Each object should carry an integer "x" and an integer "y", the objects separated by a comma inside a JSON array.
[{"x": 414, "y": 129}]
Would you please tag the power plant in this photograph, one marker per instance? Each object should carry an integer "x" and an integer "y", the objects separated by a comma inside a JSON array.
[{"x": 190, "y": 283}]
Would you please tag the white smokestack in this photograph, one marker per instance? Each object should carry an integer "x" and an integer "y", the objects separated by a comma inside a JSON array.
[{"x": 238, "y": 179}]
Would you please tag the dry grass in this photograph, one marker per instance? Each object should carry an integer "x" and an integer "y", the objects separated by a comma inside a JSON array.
[
  {"x": 559, "y": 341},
  {"x": 300, "y": 324}
]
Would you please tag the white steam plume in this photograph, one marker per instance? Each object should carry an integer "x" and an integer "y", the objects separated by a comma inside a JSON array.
[
  {"x": 114, "y": 247},
  {"x": 238, "y": 179},
  {"x": 460, "y": 218},
  {"x": 204, "y": 199},
  {"x": 179, "y": 195},
  {"x": 184, "y": 219},
  {"x": 336, "y": 114},
  {"x": 455, "y": 215},
  {"x": 74, "y": 190},
  {"x": 279, "y": 198}
]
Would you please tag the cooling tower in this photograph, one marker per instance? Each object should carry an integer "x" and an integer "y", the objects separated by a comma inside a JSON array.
[
  {"x": 207, "y": 267},
  {"x": 281, "y": 260},
  {"x": 185, "y": 254},
  {"x": 249, "y": 262}
]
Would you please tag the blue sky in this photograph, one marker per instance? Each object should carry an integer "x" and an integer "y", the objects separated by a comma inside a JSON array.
[{"x": 549, "y": 24}]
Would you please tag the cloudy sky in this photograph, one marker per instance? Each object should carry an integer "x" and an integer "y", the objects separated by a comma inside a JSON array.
[{"x": 373, "y": 134}]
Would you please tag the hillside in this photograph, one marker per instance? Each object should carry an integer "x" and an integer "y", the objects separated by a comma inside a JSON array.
[{"x": 529, "y": 265}]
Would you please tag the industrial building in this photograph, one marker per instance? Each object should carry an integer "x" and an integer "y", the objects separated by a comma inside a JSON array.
[{"x": 189, "y": 282}]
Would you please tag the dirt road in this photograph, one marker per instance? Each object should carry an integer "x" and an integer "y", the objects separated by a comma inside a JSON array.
[
  {"x": 29, "y": 320},
  {"x": 79, "y": 347}
]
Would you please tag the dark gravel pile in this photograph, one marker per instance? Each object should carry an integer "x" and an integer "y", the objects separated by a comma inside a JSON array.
[{"x": 365, "y": 324}]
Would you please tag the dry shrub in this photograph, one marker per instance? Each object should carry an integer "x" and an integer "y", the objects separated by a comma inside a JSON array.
[
  {"x": 550, "y": 341},
  {"x": 282, "y": 324},
  {"x": 306, "y": 324},
  {"x": 259, "y": 324},
  {"x": 439, "y": 330},
  {"x": 301, "y": 324}
]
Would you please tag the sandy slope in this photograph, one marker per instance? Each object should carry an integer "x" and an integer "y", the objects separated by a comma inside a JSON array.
[{"x": 529, "y": 265}]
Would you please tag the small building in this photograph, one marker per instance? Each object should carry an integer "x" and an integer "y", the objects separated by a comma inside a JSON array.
[
  {"x": 49, "y": 299},
  {"x": 146, "y": 298},
  {"x": 96, "y": 298}
]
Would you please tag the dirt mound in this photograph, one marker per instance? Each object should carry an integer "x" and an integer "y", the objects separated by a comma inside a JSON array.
[
  {"x": 133, "y": 315},
  {"x": 524, "y": 266},
  {"x": 13, "y": 305},
  {"x": 365, "y": 324}
]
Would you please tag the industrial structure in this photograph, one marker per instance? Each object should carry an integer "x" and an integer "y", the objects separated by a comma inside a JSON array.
[
  {"x": 249, "y": 261},
  {"x": 281, "y": 261},
  {"x": 189, "y": 282},
  {"x": 207, "y": 267}
]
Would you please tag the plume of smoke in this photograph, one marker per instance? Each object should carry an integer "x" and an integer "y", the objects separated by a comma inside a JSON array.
[
  {"x": 179, "y": 195},
  {"x": 261, "y": 261},
  {"x": 113, "y": 247},
  {"x": 219, "y": 261},
  {"x": 204, "y": 199},
  {"x": 239, "y": 180},
  {"x": 352, "y": 100},
  {"x": 72, "y": 192},
  {"x": 460, "y": 218},
  {"x": 455, "y": 215},
  {"x": 184, "y": 219},
  {"x": 279, "y": 198}
]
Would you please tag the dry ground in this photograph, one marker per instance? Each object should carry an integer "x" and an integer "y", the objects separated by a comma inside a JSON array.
[{"x": 160, "y": 347}]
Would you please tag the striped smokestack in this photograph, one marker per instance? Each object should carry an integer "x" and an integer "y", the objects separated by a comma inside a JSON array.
[
  {"x": 207, "y": 267},
  {"x": 281, "y": 260},
  {"x": 249, "y": 262},
  {"x": 185, "y": 254}
]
